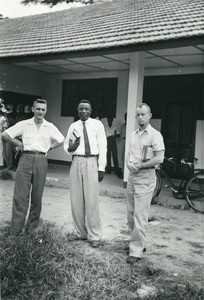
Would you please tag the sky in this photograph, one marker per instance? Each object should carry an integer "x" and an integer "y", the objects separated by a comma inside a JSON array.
[{"x": 14, "y": 9}]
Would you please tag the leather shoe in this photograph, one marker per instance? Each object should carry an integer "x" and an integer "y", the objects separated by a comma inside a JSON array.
[
  {"x": 127, "y": 248},
  {"x": 132, "y": 260},
  {"x": 95, "y": 244},
  {"x": 72, "y": 238}
]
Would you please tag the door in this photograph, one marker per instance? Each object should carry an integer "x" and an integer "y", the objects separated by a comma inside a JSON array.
[{"x": 179, "y": 130}]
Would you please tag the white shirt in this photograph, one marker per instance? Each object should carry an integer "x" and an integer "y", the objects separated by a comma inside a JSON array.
[
  {"x": 35, "y": 139},
  {"x": 110, "y": 131},
  {"x": 123, "y": 131},
  {"x": 96, "y": 136},
  {"x": 148, "y": 137}
]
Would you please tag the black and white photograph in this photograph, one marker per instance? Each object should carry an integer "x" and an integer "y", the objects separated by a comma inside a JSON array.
[{"x": 102, "y": 149}]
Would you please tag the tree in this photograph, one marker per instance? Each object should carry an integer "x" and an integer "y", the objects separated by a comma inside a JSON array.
[
  {"x": 55, "y": 2},
  {"x": 2, "y": 17}
]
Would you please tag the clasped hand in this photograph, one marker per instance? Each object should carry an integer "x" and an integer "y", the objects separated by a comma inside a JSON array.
[
  {"x": 134, "y": 167},
  {"x": 100, "y": 175},
  {"x": 73, "y": 145},
  {"x": 19, "y": 147}
]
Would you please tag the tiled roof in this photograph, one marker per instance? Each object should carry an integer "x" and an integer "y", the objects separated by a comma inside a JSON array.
[{"x": 103, "y": 25}]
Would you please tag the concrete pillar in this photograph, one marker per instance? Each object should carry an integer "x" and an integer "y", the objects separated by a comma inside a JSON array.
[{"x": 135, "y": 94}]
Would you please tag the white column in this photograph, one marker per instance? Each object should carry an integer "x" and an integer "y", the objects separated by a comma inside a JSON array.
[{"x": 135, "y": 93}]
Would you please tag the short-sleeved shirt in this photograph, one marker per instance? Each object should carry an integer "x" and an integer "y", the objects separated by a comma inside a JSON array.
[
  {"x": 148, "y": 137},
  {"x": 96, "y": 136},
  {"x": 35, "y": 139},
  {"x": 123, "y": 131},
  {"x": 110, "y": 131}
]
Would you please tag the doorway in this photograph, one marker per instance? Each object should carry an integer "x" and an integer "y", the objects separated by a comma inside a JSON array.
[{"x": 179, "y": 130}]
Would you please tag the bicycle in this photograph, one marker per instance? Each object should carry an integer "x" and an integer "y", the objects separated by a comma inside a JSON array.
[{"x": 191, "y": 186}]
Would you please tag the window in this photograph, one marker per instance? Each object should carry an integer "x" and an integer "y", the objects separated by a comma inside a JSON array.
[
  {"x": 102, "y": 93},
  {"x": 17, "y": 103}
]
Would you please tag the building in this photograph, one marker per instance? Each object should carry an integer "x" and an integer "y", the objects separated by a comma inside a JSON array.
[{"x": 118, "y": 54}]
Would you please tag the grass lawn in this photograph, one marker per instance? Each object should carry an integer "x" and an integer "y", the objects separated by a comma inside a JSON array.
[{"x": 44, "y": 264}]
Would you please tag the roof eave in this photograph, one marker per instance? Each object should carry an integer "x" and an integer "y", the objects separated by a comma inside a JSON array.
[{"x": 164, "y": 44}]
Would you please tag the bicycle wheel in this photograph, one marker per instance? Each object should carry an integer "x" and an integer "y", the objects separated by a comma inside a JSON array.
[
  {"x": 195, "y": 192},
  {"x": 158, "y": 187}
]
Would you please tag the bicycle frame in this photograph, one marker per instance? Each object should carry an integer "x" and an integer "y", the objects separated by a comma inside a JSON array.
[
  {"x": 177, "y": 189},
  {"x": 190, "y": 187}
]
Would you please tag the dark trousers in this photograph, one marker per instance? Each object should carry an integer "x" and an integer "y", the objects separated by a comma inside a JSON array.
[
  {"x": 8, "y": 155},
  {"x": 112, "y": 150},
  {"x": 30, "y": 179}
]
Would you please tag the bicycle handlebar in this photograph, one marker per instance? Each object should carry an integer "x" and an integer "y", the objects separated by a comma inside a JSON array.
[
  {"x": 183, "y": 161},
  {"x": 170, "y": 159},
  {"x": 190, "y": 163}
]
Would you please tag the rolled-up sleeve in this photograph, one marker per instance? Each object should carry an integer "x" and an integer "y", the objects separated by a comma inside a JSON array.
[
  {"x": 158, "y": 142},
  {"x": 66, "y": 141},
  {"x": 57, "y": 135},
  {"x": 15, "y": 130}
]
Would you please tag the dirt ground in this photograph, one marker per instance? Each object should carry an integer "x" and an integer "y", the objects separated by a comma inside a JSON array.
[{"x": 175, "y": 238}]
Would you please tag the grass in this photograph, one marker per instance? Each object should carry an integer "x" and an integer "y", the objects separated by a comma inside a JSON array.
[{"x": 46, "y": 265}]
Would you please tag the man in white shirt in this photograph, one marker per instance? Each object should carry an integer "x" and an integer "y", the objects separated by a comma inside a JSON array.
[
  {"x": 37, "y": 135},
  {"x": 141, "y": 179},
  {"x": 111, "y": 134},
  {"x": 86, "y": 140}
]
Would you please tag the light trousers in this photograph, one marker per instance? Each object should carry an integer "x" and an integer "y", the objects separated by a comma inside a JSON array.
[
  {"x": 30, "y": 179},
  {"x": 84, "y": 192},
  {"x": 140, "y": 189}
]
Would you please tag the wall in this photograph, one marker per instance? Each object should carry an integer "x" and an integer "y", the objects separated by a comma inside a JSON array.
[
  {"x": 199, "y": 145},
  {"x": 22, "y": 80},
  {"x": 54, "y": 113}
]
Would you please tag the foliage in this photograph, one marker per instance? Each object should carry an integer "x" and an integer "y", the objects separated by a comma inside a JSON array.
[
  {"x": 45, "y": 264},
  {"x": 3, "y": 114},
  {"x": 55, "y": 2}
]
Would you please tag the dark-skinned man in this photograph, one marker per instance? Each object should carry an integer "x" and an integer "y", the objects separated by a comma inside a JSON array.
[{"x": 86, "y": 141}]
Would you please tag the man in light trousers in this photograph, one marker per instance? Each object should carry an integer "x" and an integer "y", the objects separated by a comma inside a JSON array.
[
  {"x": 86, "y": 140},
  {"x": 145, "y": 152}
]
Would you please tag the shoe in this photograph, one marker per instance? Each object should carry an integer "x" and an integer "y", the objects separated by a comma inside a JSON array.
[
  {"x": 127, "y": 249},
  {"x": 72, "y": 238},
  {"x": 120, "y": 176},
  {"x": 95, "y": 244},
  {"x": 132, "y": 260},
  {"x": 108, "y": 171}
]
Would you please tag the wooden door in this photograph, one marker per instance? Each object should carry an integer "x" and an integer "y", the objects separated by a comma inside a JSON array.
[{"x": 179, "y": 130}]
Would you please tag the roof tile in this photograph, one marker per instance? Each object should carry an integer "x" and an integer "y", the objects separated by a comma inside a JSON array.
[{"x": 103, "y": 25}]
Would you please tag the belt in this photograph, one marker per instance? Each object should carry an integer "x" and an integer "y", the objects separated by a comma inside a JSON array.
[
  {"x": 148, "y": 168},
  {"x": 34, "y": 152},
  {"x": 91, "y": 155}
]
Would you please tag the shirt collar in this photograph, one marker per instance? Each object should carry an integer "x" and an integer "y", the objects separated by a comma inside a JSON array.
[
  {"x": 44, "y": 123},
  {"x": 148, "y": 129},
  {"x": 87, "y": 121}
]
